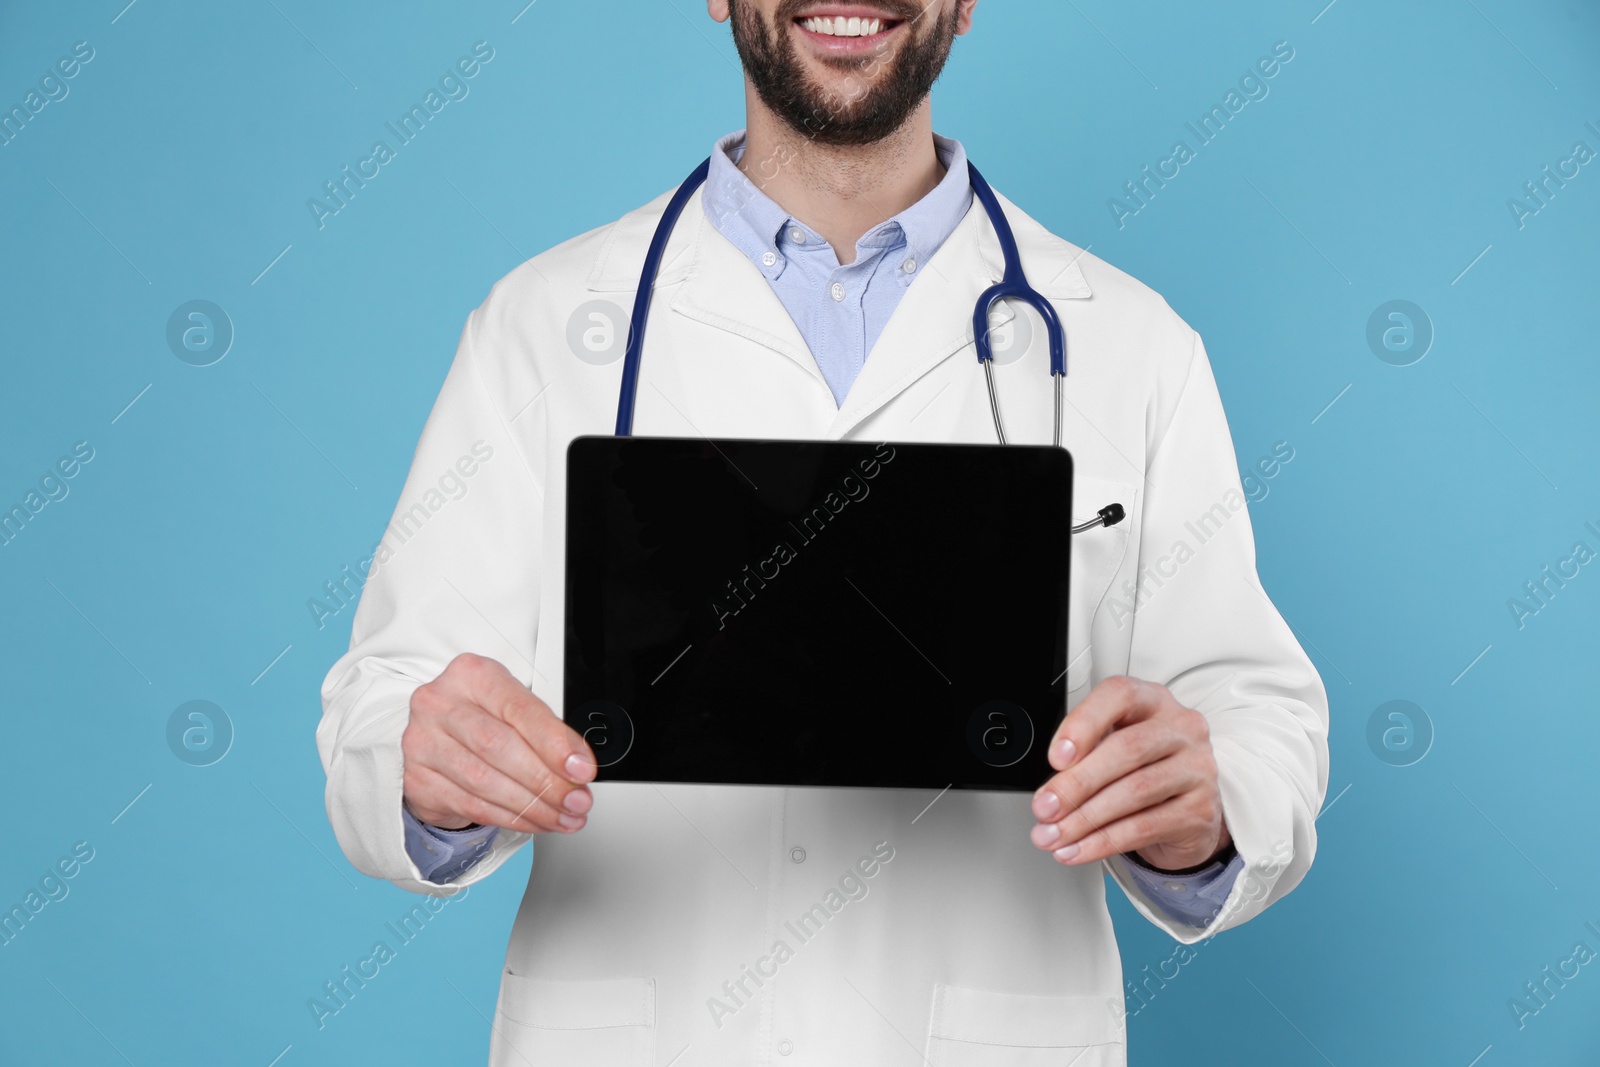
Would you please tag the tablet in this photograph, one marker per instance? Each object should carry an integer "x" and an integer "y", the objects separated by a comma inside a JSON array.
[{"x": 817, "y": 613}]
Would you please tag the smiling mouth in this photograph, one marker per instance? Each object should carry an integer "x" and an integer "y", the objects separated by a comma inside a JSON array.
[{"x": 847, "y": 27}]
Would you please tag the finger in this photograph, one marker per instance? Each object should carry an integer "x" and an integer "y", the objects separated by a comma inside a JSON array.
[
  {"x": 1132, "y": 793},
  {"x": 532, "y": 820},
  {"x": 1124, "y": 752},
  {"x": 557, "y": 744},
  {"x": 1117, "y": 700},
  {"x": 485, "y": 785},
  {"x": 1172, "y": 819},
  {"x": 496, "y": 743}
]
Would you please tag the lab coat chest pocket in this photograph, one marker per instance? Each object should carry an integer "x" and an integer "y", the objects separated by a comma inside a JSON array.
[
  {"x": 978, "y": 1028},
  {"x": 1097, "y": 555},
  {"x": 604, "y": 1023}
]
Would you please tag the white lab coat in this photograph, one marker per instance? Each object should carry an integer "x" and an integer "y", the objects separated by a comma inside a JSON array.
[{"x": 656, "y": 930}]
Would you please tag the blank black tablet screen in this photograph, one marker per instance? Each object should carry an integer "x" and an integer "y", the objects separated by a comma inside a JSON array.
[{"x": 817, "y": 612}]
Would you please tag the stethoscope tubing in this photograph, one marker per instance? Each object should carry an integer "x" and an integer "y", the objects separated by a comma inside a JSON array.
[{"x": 1013, "y": 285}]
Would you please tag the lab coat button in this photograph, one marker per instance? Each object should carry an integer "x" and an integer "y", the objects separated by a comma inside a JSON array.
[
  {"x": 797, "y": 854},
  {"x": 785, "y": 1047}
]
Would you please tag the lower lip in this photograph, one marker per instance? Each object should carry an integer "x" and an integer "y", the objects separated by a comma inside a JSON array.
[{"x": 847, "y": 45}]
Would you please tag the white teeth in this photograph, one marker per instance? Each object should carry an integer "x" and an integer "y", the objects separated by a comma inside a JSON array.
[{"x": 844, "y": 27}]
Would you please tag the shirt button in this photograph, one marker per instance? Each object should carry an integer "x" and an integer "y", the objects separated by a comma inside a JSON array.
[
  {"x": 768, "y": 258},
  {"x": 785, "y": 1047},
  {"x": 1176, "y": 887},
  {"x": 797, "y": 854},
  {"x": 909, "y": 266},
  {"x": 837, "y": 291},
  {"x": 797, "y": 235}
]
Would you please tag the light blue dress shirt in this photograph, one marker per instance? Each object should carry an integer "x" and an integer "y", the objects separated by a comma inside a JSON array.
[
  {"x": 443, "y": 855},
  {"x": 840, "y": 310}
]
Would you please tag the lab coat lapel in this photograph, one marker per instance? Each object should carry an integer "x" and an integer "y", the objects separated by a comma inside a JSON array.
[
  {"x": 933, "y": 321},
  {"x": 726, "y": 291}
]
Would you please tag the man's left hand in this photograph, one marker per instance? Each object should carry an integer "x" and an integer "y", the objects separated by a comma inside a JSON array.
[{"x": 1135, "y": 774}]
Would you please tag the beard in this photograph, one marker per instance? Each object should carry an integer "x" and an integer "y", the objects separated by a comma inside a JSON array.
[{"x": 872, "y": 104}]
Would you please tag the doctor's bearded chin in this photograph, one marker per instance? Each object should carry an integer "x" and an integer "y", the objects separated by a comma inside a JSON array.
[{"x": 864, "y": 89}]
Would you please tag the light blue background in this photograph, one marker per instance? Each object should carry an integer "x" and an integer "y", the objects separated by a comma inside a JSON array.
[{"x": 178, "y": 568}]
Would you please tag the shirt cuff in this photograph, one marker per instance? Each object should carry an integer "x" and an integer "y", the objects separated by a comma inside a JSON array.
[
  {"x": 444, "y": 855},
  {"x": 1192, "y": 896}
]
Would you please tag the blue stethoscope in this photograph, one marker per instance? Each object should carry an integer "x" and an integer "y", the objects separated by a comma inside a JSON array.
[{"x": 1013, "y": 285}]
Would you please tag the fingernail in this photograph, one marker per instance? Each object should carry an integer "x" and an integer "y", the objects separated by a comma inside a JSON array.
[
  {"x": 578, "y": 801},
  {"x": 1065, "y": 853},
  {"x": 578, "y": 768},
  {"x": 1063, "y": 752},
  {"x": 1045, "y": 834},
  {"x": 569, "y": 822},
  {"x": 1045, "y": 804}
]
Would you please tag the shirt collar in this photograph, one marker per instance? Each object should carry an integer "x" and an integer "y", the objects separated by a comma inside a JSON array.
[{"x": 756, "y": 224}]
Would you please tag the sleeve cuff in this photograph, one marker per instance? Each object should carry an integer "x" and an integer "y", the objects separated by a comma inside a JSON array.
[
  {"x": 1192, "y": 895},
  {"x": 444, "y": 855}
]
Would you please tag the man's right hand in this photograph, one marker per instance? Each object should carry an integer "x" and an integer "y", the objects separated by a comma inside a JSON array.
[{"x": 480, "y": 748}]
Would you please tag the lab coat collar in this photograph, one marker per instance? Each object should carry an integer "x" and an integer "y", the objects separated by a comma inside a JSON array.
[{"x": 723, "y": 289}]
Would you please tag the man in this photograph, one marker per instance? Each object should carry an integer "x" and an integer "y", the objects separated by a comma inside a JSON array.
[{"x": 819, "y": 286}]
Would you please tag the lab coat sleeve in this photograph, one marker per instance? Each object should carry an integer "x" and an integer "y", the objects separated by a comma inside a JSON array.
[
  {"x": 456, "y": 571},
  {"x": 1204, "y": 627}
]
